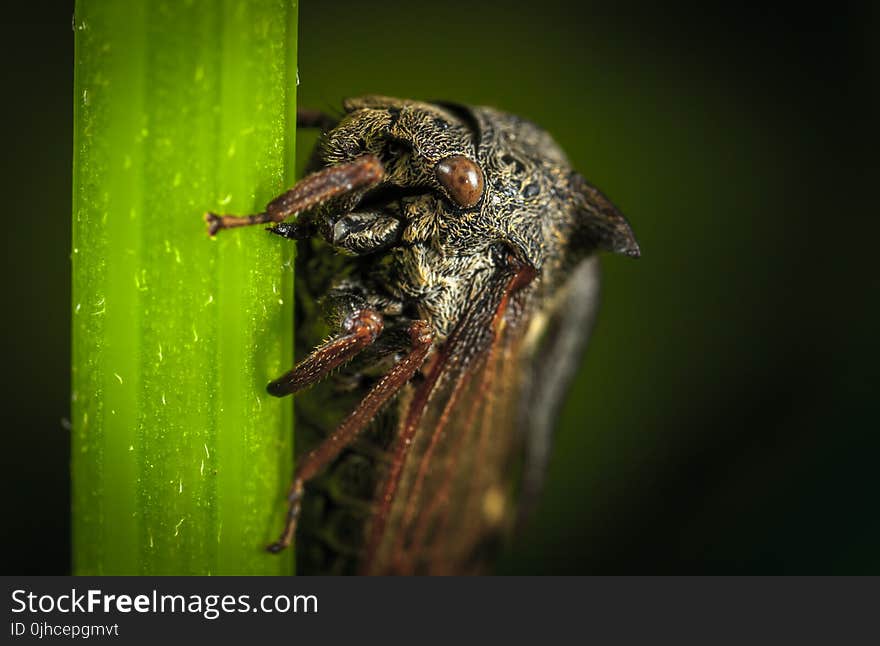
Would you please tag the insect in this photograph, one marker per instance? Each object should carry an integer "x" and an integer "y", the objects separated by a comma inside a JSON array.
[{"x": 446, "y": 284}]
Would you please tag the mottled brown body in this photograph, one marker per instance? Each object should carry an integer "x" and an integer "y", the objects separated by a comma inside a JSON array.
[{"x": 449, "y": 256}]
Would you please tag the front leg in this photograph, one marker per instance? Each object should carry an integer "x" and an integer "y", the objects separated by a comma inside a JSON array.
[
  {"x": 302, "y": 229},
  {"x": 308, "y": 118},
  {"x": 363, "y": 232},
  {"x": 354, "y": 234},
  {"x": 313, "y": 190}
]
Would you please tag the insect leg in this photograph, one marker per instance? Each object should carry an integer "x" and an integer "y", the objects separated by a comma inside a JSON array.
[
  {"x": 293, "y": 230},
  {"x": 421, "y": 338},
  {"x": 361, "y": 329},
  {"x": 307, "y": 118},
  {"x": 354, "y": 233},
  {"x": 364, "y": 232},
  {"x": 312, "y": 190}
]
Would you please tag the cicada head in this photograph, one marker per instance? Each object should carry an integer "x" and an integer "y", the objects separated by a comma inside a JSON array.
[
  {"x": 482, "y": 177},
  {"x": 425, "y": 148}
]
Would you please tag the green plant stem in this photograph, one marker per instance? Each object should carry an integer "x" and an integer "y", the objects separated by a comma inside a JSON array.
[{"x": 179, "y": 457}]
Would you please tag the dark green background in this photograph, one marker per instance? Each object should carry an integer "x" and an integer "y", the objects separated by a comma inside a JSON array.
[{"x": 725, "y": 418}]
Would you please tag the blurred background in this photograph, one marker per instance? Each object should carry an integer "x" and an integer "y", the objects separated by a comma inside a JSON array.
[{"x": 725, "y": 416}]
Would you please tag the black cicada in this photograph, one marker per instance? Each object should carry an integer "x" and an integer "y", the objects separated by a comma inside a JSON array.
[{"x": 446, "y": 277}]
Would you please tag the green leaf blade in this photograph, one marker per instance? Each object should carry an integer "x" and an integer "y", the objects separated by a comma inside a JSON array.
[{"x": 180, "y": 458}]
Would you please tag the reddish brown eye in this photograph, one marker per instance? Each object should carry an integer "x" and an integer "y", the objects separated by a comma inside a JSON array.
[{"x": 462, "y": 178}]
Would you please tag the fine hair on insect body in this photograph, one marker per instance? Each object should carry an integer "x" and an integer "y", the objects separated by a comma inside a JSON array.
[{"x": 446, "y": 283}]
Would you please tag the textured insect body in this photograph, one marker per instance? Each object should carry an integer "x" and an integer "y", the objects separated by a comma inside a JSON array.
[{"x": 450, "y": 252}]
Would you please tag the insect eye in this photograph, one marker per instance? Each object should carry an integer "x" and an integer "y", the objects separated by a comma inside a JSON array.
[{"x": 462, "y": 179}]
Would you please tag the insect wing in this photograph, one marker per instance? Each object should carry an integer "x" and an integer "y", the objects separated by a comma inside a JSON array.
[
  {"x": 453, "y": 501},
  {"x": 555, "y": 345}
]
